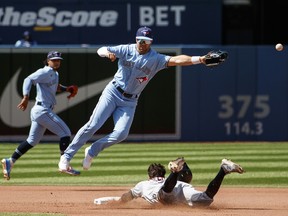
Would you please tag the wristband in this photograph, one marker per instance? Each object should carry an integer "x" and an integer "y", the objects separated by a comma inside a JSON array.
[{"x": 195, "y": 60}]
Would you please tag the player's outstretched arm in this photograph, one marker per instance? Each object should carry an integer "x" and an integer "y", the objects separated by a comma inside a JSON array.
[
  {"x": 211, "y": 59},
  {"x": 185, "y": 60},
  {"x": 126, "y": 197}
]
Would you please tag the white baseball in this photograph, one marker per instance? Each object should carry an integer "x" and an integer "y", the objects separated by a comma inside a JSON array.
[{"x": 279, "y": 47}]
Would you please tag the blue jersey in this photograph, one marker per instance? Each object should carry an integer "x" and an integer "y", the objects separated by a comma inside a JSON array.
[
  {"x": 46, "y": 81},
  {"x": 136, "y": 70}
]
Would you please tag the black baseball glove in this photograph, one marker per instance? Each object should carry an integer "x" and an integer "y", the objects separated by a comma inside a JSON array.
[{"x": 214, "y": 58}]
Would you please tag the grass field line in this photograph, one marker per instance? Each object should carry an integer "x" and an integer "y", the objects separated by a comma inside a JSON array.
[{"x": 127, "y": 163}]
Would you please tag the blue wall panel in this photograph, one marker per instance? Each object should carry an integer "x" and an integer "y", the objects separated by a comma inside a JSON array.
[{"x": 243, "y": 99}]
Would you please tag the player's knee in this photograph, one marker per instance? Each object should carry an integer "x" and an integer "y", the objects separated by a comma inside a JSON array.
[
  {"x": 33, "y": 141},
  {"x": 121, "y": 135},
  {"x": 66, "y": 133}
]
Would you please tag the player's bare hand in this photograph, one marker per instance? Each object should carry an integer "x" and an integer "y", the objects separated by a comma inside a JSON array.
[
  {"x": 23, "y": 104},
  {"x": 111, "y": 56}
]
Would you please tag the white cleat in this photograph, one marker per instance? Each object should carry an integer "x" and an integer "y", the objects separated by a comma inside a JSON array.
[
  {"x": 63, "y": 163},
  {"x": 229, "y": 166},
  {"x": 87, "y": 160},
  {"x": 64, "y": 167}
]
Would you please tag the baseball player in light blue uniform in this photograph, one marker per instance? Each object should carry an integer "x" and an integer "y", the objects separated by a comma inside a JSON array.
[
  {"x": 137, "y": 65},
  {"x": 47, "y": 84}
]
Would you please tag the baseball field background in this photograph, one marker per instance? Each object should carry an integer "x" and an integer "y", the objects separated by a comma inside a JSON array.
[{"x": 123, "y": 165}]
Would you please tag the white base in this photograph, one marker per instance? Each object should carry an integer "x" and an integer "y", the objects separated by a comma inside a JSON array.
[{"x": 103, "y": 200}]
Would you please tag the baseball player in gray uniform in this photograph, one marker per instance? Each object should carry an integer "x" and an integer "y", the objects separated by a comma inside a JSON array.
[
  {"x": 138, "y": 64},
  {"x": 157, "y": 189},
  {"x": 42, "y": 116}
]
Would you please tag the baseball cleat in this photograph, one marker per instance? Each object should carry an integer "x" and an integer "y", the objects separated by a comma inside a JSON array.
[
  {"x": 63, "y": 163},
  {"x": 64, "y": 167},
  {"x": 7, "y": 165},
  {"x": 87, "y": 160},
  {"x": 70, "y": 171},
  {"x": 228, "y": 166},
  {"x": 176, "y": 165}
]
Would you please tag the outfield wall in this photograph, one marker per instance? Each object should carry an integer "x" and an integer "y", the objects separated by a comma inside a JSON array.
[{"x": 243, "y": 99}]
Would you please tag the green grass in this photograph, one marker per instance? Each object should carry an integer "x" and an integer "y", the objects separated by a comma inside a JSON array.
[{"x": 126, "y": 163}]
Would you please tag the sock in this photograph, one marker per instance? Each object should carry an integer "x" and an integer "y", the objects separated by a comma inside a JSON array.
[
  {"x": 21, "y": 150},
  {"x": 63, "y": 144},
  {"x": 215, "y": 184}
]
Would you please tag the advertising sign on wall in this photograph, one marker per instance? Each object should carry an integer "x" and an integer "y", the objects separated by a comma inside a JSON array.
[{"x": 111, "y": 22}]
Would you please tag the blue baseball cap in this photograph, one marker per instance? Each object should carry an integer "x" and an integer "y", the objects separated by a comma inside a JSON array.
[
  {"x": 144, "y": 33},
  {"x": 52, "y": 55}
]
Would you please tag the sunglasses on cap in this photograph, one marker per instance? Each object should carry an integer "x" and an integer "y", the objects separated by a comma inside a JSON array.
[
  {"x": 54, "y": 55},
  {"x": 142, "y": 41}
]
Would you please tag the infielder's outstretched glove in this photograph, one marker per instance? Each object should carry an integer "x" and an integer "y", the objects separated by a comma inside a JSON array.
[
  {"x": 214, "y": 58},
  {"x": 73, "y": 89}
]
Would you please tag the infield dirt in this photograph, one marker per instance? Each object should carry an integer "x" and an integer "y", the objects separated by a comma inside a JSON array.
[{"x": 79, "y": 201}]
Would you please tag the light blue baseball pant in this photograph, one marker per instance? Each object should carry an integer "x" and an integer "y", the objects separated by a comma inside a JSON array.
[
  {"x": 43, "y": 118},
  {"x": 110, "y": 103}
]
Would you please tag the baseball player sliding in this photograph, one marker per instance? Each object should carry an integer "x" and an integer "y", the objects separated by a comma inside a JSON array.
[
  {"x": 42, "y": 116},
  {"x": 138, "y": 64},
  {"x": 171, "y": 190}
]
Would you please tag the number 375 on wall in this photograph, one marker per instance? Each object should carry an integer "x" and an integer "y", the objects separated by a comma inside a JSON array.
[
  {"x": 238, "y": 108},
  {"x": 260, "y": 105}
]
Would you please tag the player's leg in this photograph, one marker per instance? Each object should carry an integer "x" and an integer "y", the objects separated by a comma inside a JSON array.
[
  {"x": 101, "y": 113},
  {"x": 35, "y": 135},
  {"x": 123, "y": 118},
  {"x": 227, "y": 167},
  {"x": 64, "y": 143},
  {"x": 57, "y": 126},
  {"x": 215, "y": 184}
]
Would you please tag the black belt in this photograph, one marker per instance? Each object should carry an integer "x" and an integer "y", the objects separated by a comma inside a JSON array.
[
  {"x": 41, "y": 104},
  {"x": 127, "y": 95}
]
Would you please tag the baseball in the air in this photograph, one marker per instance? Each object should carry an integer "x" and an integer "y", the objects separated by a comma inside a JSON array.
[{"x": 279, "y": 47}]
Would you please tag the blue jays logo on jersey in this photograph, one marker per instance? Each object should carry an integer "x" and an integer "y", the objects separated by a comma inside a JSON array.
[{"x": 142, "y": 79}]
